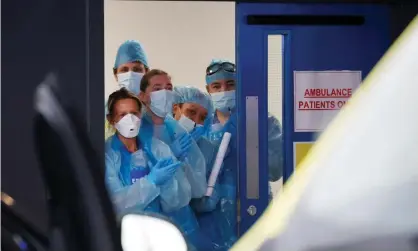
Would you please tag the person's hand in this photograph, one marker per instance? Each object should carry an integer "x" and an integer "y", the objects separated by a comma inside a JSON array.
[
  {"x": 180, "y": 146},
  {"x": 197, "y": 133},
  {"x": 162, "y": 171}
]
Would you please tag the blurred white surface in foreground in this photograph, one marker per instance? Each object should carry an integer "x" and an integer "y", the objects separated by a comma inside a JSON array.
[{"x": 145, "y": 233}]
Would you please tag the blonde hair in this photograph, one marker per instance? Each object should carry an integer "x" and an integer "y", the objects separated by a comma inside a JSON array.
[{"x": 109, "y": 130}]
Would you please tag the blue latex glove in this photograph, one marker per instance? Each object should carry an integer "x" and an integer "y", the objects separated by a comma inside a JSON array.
[
  {"x": 181, "y": 146},
  {"x": 162, "y": 171},
  {"x": 197, "y": 133}
]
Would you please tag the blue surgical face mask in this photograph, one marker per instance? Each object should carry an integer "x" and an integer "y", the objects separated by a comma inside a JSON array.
[
  {"x": 162, "y": 102},
  {"x": 224, "y": 101},
  {"x": 130, "y": 80}
]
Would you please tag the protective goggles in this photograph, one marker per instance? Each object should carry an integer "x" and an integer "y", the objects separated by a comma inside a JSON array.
[{"x": 225, "y": 66}]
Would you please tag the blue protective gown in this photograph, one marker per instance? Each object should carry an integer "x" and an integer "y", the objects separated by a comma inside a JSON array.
[
  {"x": 192, "y": 176},
  {"x": 207, "y": 204},
  {"x": 217, "y": 214},
  {"x": 221, "y": 223},
  {"x": 125, "y": 178}
]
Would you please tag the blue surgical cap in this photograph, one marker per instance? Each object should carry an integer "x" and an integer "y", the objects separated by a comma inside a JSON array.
[
  {"x": 189, "y": 94},
  {"x": 130, "y": 51},
  {"x": 220, "y": 75}
]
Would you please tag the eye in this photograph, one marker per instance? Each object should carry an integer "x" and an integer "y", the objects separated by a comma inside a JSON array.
[
  {"x": 124, "y": 69},
  {"x": 138, "y": 69}
]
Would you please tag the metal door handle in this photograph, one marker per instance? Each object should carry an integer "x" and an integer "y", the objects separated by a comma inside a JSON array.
[{"x": 252, "y": 149}]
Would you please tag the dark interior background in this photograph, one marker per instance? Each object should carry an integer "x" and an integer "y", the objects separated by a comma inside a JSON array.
[{"x": 66, "y": 37}]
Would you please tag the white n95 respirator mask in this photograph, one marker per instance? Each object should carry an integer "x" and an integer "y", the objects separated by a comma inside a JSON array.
[
  {"x": 162, "y": 102},
  {"x": 187, "y": 123},
  {"x": 128, "y": 126},
  {"x": 130, "y": 80},
  {"x": 223, "y": 101}
]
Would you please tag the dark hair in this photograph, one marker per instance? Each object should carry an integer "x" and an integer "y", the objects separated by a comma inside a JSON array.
[
  {"x": 145, "y": 79},
  {"x": 123, "y": 93}
]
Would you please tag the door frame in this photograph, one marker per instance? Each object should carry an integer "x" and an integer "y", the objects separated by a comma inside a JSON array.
[{"x": 249, "y": 36}]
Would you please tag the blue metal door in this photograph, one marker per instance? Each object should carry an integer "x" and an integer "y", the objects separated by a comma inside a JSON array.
[{"x": 322, "y": 46}]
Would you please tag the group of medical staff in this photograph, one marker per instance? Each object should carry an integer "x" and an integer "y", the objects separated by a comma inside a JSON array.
[{"x": 161, "y": 144}]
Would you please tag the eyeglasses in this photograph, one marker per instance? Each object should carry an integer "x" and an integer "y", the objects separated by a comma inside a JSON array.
[{"x": 226, "y": 66}]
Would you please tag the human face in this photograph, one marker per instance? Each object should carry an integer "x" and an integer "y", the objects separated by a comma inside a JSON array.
[
  {"x": 123, "y": 107},
  {"x": 221, "y": 86},
  {"x": 156, "y": 83},
  {"x": 131, "y": 66},
  {"x": 193, "y": 111}
]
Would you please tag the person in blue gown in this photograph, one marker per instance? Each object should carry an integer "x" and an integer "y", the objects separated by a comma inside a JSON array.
[
  {"x": 193, "y": 110},
  {"x": 221, "y": 85},
  {"x": 156, "y": 93},
  {"x": 139, "y": 173}
]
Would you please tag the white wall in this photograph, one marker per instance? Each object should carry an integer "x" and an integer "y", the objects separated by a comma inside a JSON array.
[{"x": 179, "y": 37}]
